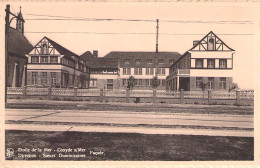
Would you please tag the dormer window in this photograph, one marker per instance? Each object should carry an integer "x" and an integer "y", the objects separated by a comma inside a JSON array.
[
  {"x": 149, "y": 61},
  {"x": 126, "y": 61},
  {"x": 171, "y": 61},
  {"x": 160, "y": 61},
  {"x": 137, "y": 61}
]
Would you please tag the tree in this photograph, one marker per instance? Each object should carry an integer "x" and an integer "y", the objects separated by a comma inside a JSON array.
[
  {"x": 234, "y": 86},
  {"x": 155, "y": 82},
  {"x": 131, "y": 82},
  {"x": 204, "y": 86}
]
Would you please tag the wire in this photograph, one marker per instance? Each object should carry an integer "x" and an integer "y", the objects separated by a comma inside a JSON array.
[
  {"x": 64, "y": 18},
  {"x": 181, "y": 34}
]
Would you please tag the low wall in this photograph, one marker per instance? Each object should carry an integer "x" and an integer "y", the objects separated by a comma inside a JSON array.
[{"x": 243, "y": 102}]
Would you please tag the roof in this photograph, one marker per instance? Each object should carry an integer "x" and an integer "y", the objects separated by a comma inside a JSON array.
[
  {"x": 87, "y": 54},
  {"x": 102, "y": 62},
  {"x": 62, "y": 50},
  {"x": 143, "y": 57},
  {"x": 18, "y": 43}
]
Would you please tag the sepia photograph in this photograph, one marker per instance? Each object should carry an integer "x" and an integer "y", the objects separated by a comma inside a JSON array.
[{"x": 113, "y": 81}]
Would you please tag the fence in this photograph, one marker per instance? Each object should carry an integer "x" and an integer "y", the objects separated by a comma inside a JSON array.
[{"x": 238, "y": 97}]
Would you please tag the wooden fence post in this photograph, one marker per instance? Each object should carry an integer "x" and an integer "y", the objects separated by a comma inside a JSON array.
[
  {"x": 24, "y": 92},
  {"x": 209, "y": 96},
  {"x": 237, "y": 97},
  {"x": 127, "y": 95},
  {"x": 181, "y": 96},
  {"x": 101, "y": 95},
  {"x": 75, "y": 93},
  {"x": 49, "y": 93},
  {"x": 154, "y": 95}
]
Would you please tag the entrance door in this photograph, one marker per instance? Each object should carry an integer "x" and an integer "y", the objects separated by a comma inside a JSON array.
[{"x": 185, "y": 83}]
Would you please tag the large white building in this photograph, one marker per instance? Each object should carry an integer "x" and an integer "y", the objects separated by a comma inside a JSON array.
[{"x": 207, "y": 65}]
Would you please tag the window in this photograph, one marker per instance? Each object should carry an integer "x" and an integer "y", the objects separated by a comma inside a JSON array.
[
  {"x": 159, "y": 82},
  {"x": 34, "y": 78},
  {"x": 211, "y": 44},
  {"x": 53, "y": 59},
  {"x": 44, "y": 49},
  {"x": 137, "y": 61},
  {"x": 222, "y": 63},
  {"x": 124, "y": 82},
  {"x": 138, "y": 71},
  {"x": 199, "y": 63},
  {"x": 135, "y": 81},
  {"x": 128, "y": 71},
  {"x": 53, "y": 78},
  {"x": 93, "y": 83},
  {"x": 222, "y": 84},
  {"x": 140, "y": 82},
  {"x": 147, "y": 82},
  {"x": 44, "y": 59},
  {"x": 44, "y": 78},
  {"x": 127, "y": 61},
  {"x": 160, "y": 61},
  {"x": 171, "y": 61},
  {"x": 199, "y": 83},
  {"x": 147, "y": 71},
  {"x": 159, "y": 71},
  {"x": 124, "y": 71},
  {"x": 35, "y": 59},
  {"x": 149, "y": 61},
  {"x": 163, "y": 71},
  {"x": 163, "y": 82},
  {"x": 151, "y": 71},
  {"x": 211, "y": 83},
  {"x": 211, "y": 63}
]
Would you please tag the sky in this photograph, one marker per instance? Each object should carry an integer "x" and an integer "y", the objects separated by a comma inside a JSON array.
[{"x": 235, "y": 24}]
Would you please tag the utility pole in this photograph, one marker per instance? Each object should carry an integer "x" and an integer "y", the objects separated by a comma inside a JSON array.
[
  {"x": 7, "y": 24},
  {"x": 156, "y": 57}
]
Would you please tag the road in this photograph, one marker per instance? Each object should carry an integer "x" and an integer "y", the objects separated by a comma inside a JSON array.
[{"x": 230, "y": 123}]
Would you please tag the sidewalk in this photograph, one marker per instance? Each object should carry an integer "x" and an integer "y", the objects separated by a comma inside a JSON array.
[{"x": 142, "y": 130}]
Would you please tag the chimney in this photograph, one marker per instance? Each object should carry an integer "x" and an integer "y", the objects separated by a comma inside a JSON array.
[
  {"x": 95, "y": 53},
  {"x": 195, "y": 42}
]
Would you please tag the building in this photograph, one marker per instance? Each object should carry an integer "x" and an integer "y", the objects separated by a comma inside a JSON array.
[
  {"x": 104, "y": 72},
  {"x": 17, "y": 47},
  {"x": 49, "y": 63},
  {"x": 207, "y": 65},
  {"x": 142, "y": 66}
]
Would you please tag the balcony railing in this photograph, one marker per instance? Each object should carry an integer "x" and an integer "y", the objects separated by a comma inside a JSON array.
[{"x": 183, "y": 71}]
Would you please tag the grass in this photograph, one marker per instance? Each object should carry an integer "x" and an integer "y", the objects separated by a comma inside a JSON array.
[
  {"x": 161, "y": 108},
  {"x": 123, "y": 146}
]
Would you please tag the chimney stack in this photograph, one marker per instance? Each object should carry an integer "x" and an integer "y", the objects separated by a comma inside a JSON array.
[
  {"x": 195, "y": 42},
  {"x": 95, "y": 53}
]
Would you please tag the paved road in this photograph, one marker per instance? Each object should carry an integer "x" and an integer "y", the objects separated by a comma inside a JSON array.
[{"x": 71, "y": 116}]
